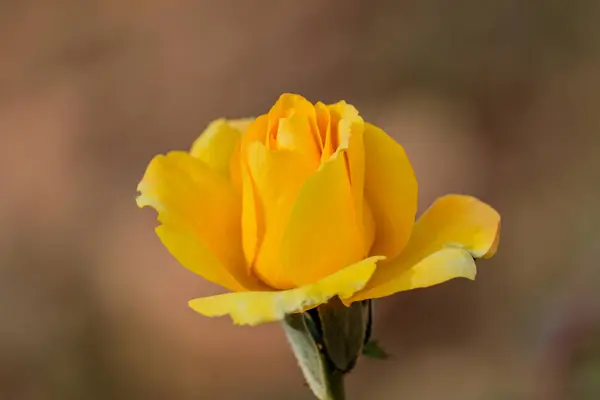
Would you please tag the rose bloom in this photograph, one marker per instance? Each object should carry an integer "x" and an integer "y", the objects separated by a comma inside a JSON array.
[{"x": 305, "y": 203}]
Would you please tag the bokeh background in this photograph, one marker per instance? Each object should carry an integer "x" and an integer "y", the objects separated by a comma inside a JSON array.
[{"x": 496, "y": 98}]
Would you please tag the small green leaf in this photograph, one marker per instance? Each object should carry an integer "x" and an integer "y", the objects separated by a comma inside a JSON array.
[{"x": 373, "y": 350}]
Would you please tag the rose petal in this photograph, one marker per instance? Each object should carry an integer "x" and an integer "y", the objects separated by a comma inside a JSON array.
[
  {"x": 453, "y": 231},
  {"x": 275, "y": 178},
  {"x": 390, "y": 190},
  {"x": 252, "y": 308},
  {"x": 218, "y": 143},
  {"x": 200, "y": 213},
  {"x": 323, "y": 234},
  {"x": 436, "y": 268}
]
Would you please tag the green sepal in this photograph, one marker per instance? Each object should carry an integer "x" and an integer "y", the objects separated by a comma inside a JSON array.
[
  {"x": 327, "y": 342},
  {"x": 343, "y": 331},
  {"x": 324, "y": 381},
  {"x": 372, "y": 349}
]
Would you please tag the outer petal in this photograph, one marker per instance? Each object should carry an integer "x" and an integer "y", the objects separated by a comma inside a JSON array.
[
  {"x": 218, "y": 143},
  {"x": 200, "y": 213},
  {"x": 390, "y": 190},
  {"x": 323, "y": 234},
  {"x": 252, "y": 308},
  {"x": 191, "y": 252},
  {"x": 453, "y": 231}
]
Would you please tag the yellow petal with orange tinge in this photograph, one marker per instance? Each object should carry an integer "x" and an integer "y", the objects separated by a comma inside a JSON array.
[
  {"x": 350, "y": 127},
  {"x": 323, "y": 234},
  {"x": 252, "y": 213},
  {"x": 200, "y": 213},
  {"x": 325, "y": 131},
  {"x": 277, "y": 177},
  {"x": 391, "y": 191},
  {"x": 252, "y": 308},
  {"x": 295, "y": 135},
  {"x": 293, "y": 107},
  {"x": 368, "y": 225},
  {"x": 252, "y": 217},
  {"x": 434, "y": 269},
  {"x": 218, "y": 143},
  {"x": 453, "y": 222}
]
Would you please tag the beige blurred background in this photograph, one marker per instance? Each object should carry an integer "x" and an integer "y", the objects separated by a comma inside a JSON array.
[{"x": 496, "y": 98}]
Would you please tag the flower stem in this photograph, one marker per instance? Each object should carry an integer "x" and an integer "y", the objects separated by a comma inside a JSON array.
[{"x": 336, "y": 386}]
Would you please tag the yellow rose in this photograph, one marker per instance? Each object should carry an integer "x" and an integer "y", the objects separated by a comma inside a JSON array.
[{"x": 303, "y": 204}]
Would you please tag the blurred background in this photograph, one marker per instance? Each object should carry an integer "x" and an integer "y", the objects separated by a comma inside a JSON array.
[{"x": 496, "y": 98}]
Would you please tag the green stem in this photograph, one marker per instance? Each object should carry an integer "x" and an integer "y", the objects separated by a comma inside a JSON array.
[{"x": 336, "y": 386}]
